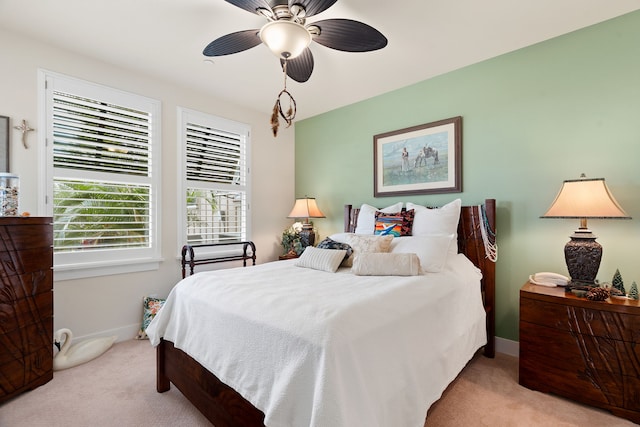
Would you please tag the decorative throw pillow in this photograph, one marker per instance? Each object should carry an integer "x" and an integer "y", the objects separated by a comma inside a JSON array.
[
  {"x": 386, "y": 264},
  {"x": 321, "y": 259},
  {"x": 431, "y": 250},
  {"x": 329, "y": 243},
  {"x": 367, "y": 217},
  {"x": 437, "y": 221},
  {"x": 365, "y": 244},
  {"x": 150, "y": 307},
  {"x": 396, "y": 224}
]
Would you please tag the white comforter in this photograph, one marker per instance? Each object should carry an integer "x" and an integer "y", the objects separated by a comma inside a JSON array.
[{"x": 311, "y": 348}]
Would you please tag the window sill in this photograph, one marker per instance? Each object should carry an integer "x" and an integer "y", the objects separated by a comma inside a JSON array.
[{"x": 81, "y": 271}]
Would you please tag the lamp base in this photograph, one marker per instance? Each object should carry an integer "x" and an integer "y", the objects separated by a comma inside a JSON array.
[
  {"x": 307, "y": 235},
  {"x": 583, "y": 255}
]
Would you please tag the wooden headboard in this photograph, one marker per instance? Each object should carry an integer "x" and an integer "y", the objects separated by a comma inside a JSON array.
[{"x": 472, "y": 245}]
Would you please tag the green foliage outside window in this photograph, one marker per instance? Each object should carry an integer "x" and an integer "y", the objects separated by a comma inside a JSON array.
[{"x": 97, "y": 215}]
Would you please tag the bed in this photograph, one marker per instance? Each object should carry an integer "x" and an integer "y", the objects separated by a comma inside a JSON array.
[{"x": 350, "y": 367}]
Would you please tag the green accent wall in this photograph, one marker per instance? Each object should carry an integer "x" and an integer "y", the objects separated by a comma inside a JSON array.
[{"x": 531, "y": 119}]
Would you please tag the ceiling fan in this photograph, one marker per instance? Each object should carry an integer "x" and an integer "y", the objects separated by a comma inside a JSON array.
[{"x": 288, "y": 36}]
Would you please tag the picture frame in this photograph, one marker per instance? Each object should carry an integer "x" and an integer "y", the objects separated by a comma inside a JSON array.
[
  {"x": 423, "y": 159},
  {"x": 4, "y": 144}
]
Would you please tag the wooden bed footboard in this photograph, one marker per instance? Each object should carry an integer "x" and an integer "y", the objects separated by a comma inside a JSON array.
[
  {"x": 218, "y": 402},
  {"x": 225, "y": 407}
]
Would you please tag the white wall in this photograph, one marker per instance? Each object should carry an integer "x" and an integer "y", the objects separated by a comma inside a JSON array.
[{"x": 113, "y": 304}]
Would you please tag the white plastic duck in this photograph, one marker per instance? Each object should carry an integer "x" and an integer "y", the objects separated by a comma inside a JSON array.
[{"x": 82, "y": 352}]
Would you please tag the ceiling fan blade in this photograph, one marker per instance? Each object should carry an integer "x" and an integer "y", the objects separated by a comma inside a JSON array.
[
  {"x": 251, "y": 5},
  {"x": 300, "y": 67},
  {"x": 313, "y": 7},
  {"x": 233, "y": 43},
  {"x": 348, "y": 35}
]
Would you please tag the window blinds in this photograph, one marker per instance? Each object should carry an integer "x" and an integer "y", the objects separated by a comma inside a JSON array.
[
  {"x": 216, "y": 184},
  {"x": 102, "y": 169},
  {"x": 95, "y": 136},
  {"x": 214, "y": 156}
]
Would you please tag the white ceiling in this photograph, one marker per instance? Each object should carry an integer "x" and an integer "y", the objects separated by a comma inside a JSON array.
[{"x": 165, "y": 38}]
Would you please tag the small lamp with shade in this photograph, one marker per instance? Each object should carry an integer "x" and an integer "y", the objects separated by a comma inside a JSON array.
[
  {"x": 582, "y": 199},
  {"x": 305, "y": 209}
]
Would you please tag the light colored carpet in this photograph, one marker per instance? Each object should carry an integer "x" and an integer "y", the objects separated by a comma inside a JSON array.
[
  {"x": 487, "y": 393},
  {"x": 118, "y": 390}
]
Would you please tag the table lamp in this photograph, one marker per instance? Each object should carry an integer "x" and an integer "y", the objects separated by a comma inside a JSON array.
[
  {"x": 304, "y": 209},
  {"x": 582, "y": 199}
]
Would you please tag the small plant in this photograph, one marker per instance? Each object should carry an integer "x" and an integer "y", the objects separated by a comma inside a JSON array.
[
  {"x": 633, "y": 292},
  {"x": 291, "y": 240},
  {"x": 617, "y": 282}
]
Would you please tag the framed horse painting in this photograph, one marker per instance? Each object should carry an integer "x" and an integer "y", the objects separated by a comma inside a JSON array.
[{"x": 424, "y": 159}]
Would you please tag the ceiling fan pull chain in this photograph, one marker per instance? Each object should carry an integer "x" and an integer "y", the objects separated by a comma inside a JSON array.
[
  {"x": 277, "y": 108},
  {"x": 284, "y": 71}
]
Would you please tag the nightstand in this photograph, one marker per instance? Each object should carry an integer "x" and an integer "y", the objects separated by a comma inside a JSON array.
[
  {"x": 588, "y": 351},
  {"x": 287, "y": 256}
]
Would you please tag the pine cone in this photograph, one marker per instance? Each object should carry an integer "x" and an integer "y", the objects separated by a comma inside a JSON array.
[
  {"x": 615, "y": 292},
  {"x": 597, "y": 294}
]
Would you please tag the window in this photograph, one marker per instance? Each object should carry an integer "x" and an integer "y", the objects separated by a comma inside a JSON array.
[
  {"x": 102, "y": 175},
  {"x": 215, "y": 184}
]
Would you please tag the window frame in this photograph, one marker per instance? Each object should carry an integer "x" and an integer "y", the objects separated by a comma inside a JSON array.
[
  {"x": 75, "y": 265},
  {"x": 185, "y": 116}
]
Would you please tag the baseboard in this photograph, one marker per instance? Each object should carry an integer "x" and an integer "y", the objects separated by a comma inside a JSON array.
[
  {"x": 123, "y": 333},
  {"x": 508, "y": 347},
  {"x": 503, "y": 345}
]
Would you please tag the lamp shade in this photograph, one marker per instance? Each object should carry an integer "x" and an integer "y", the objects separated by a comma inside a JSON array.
[
  {"x": 306, "y": 208},
  {"x": 585, "y": 198},
  {"x": 286, "y": 39}
]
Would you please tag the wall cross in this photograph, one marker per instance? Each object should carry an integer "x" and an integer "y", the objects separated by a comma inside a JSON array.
[{"x": 24, "y": 128}]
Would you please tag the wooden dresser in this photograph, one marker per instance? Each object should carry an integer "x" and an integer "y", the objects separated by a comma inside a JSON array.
[
  {"x": 26, "y": 304},
  {"x": 588, "y": 351}
]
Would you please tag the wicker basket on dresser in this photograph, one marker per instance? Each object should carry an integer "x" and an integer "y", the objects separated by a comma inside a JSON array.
[{"x": 26, "y": 304}]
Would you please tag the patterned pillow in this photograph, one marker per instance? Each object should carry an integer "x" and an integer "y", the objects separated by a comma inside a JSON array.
[
  {"x": 329, "y": 243},
  {"x": 150, "y": 306},
  {"x": 364, "y": 244},
  {"x": 367, "y": 217},
  {"x": 394, "y": 224}
]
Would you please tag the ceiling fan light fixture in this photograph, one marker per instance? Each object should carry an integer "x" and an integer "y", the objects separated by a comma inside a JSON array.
[{"x": 286, "y": 39}]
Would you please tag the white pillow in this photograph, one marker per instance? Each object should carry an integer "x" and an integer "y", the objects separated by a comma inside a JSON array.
[
  {"x": 431, "y": 250},
  {"x": 361, "y": 244},
  {"x": 321, "y": 259},
  {"x": 386, "y": 264},
  {"x": 442, "y": 220},
  {"x": 367, "y": 217},
  {"x": 341, "y": 237}
]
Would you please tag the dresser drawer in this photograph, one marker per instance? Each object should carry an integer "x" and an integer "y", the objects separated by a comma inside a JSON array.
[
  {"x": 595, "y": 387},
  {"x": 25, "y": 311},
  {"x": 569, "y": 350},
  {"x": 27, "y": 339},
  {"x": 25, "y": 237},
  {"x": 25, "y": 373},
  {"x": 598, "y": 322},
  {"x": 13, "y": 288},
  {"x": 25, "y": 261}
]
